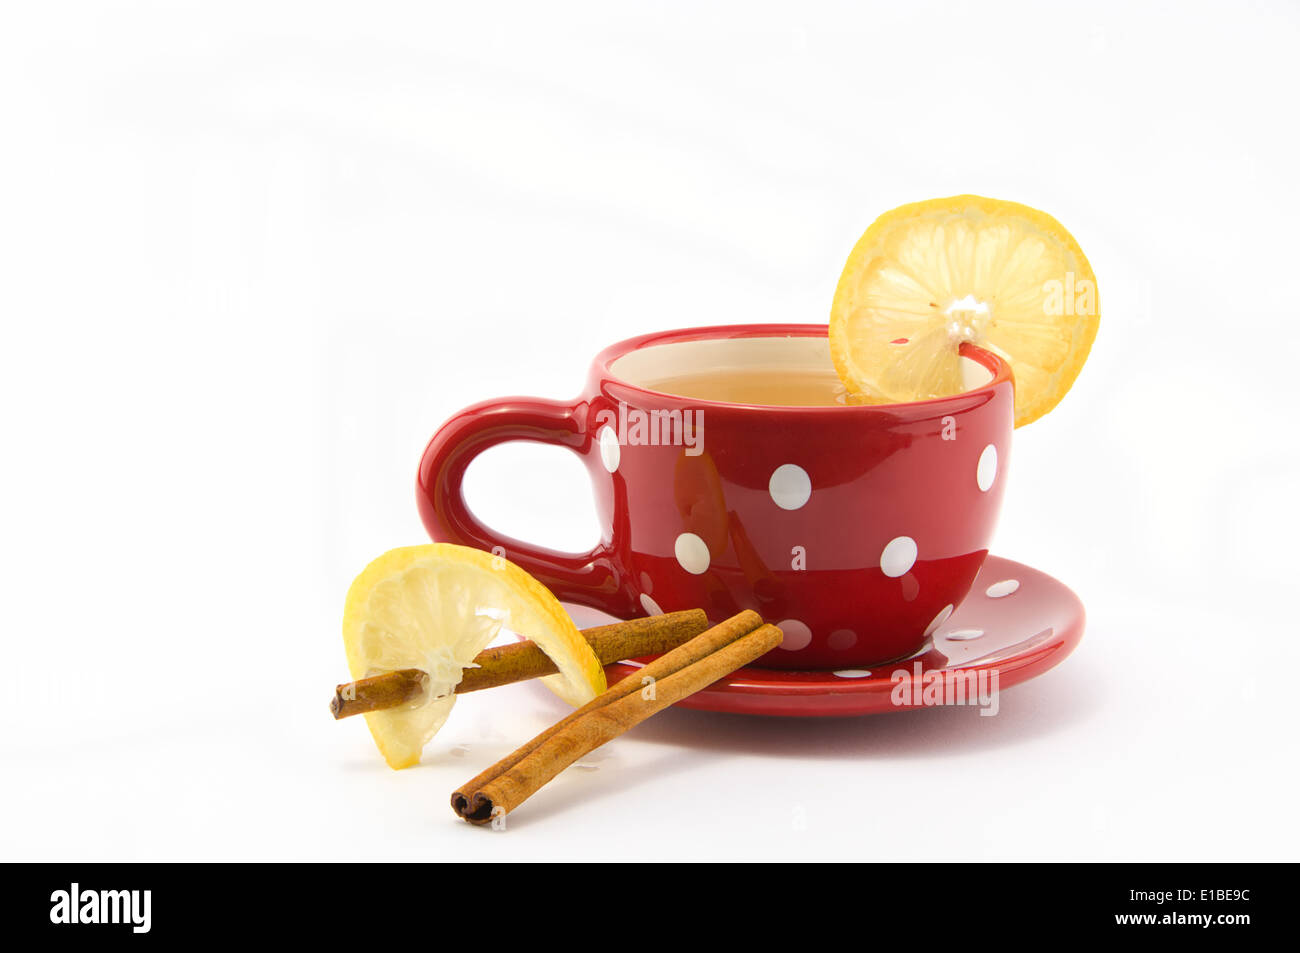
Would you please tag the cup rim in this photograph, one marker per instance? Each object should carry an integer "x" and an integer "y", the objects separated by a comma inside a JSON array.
[{"x": 995, "y": 365}]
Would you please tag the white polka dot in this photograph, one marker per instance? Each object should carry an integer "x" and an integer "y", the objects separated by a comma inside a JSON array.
[
  {"x": 987, "y": 469},
  {"x": 852, "y": 673},
  {"x": 647, "y": 583},
  {"x": 898, "y": 556},
  {"x": 925, "y": 647},
  {"x": 1003, "y": 588},
  {"x": 939, "y": 620},
  {"x": 650, "y": 605},
  {"x": 962, "y": 635},
  {"x": 691, "y": 553},
  {"x": 610, "y": 452},
  {"x": 789, "y": 486},
  {"x": 797, "y": 635},
  {"x": 842, "y": 639}
]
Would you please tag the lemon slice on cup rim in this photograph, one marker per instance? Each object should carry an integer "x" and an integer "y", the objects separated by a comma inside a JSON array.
[
  {"x": 927, "y": 277},
  {"x": 435, "y": 607}
]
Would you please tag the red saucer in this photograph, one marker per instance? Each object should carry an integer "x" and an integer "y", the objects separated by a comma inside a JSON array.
[{"x": 1016, "y": 621}]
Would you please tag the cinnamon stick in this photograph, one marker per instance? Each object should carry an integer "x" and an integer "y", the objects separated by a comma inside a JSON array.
[
  {"x": 612, "y": 643},
  {"x": 503, "y": 664},
  {"x": 377, "y": 692},
  {"x": 664, "y": 682}
]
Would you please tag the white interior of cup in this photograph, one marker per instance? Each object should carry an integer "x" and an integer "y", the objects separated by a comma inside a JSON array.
[{"x": 646, "y": 366}]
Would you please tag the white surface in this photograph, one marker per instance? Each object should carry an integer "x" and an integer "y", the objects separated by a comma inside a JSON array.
[{"x": 251, "y": 255}]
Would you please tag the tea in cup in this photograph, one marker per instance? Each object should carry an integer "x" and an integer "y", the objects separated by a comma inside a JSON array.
[{"x": 731, "y": 471}]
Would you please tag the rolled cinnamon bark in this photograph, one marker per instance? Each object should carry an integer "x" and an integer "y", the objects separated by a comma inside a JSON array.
[
  {"x": 504, "y": 664},
  {"x": 378, "y": 692},
  {"x": 612, "y": 643},
  {"x": 692, "y": 651},
  {"x": 697, "y": 664}
]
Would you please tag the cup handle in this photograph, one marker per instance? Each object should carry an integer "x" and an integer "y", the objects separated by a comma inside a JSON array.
[{"x": 587, "y": 578}]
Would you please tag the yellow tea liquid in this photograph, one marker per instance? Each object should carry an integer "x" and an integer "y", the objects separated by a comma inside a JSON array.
[{"x": 798, "y": 387}]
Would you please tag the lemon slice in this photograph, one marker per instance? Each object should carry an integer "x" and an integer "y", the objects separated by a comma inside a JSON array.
[
  {"x": 434, "y": 608},
  {"x": 927, "y": 277}
]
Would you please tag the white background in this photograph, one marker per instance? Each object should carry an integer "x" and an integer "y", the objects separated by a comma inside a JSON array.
[{"x": 251, "y": 255}]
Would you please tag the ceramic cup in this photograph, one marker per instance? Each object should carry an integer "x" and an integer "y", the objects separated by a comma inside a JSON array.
[{"x": 856, "y": 529}]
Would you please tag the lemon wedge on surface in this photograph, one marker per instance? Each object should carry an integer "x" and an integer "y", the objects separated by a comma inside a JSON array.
[
  {"x": 434, "y": 608},
  {"x": 928, "y": 277}
]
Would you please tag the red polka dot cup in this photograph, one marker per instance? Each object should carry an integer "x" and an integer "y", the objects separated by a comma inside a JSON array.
[{"x": 856, "y": 529}]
